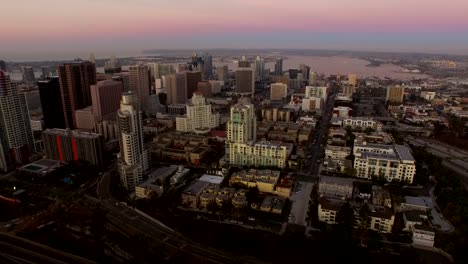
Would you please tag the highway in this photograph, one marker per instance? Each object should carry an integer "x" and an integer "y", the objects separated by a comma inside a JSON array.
[
  {"x": 15, "y": 249},
  {"x": 453, "y": 158}
]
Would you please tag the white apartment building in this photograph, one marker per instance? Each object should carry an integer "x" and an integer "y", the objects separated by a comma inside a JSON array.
[
  {"x": 133, "y": 158},
  {"x": 362, "y": 123},
  {"x": 314, "y": 91},
  {"x": 394, "y": 162},
  {"x": 423, "y": 235},
  {"x": 312, "y": 103},
  {"x": 16, "y": 135},
  {"x": 241, "y": 146},
  {"x": 199, "y": 117},
  {"x": 381, "y": 219},
  {"x": 337, "y": 154}
]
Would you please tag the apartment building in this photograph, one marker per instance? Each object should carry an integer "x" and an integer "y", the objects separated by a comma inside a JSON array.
[
  {"x": 264, "y": 180},
  {"x": 394, "y": 162},
  {"x": 336, "y": 187},
  {"x": 199, "y": 118}
]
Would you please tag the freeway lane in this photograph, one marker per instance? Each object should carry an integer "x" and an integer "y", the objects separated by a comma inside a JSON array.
[{"x": 20, "y": 250}]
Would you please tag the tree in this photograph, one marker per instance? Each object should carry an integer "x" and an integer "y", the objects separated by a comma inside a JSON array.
[
  {"x": 364, "y": 222},
  {"x": 345, "y": 217}
]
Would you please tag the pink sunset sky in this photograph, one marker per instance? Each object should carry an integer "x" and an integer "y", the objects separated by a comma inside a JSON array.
[{"x": 63, "y": 27}]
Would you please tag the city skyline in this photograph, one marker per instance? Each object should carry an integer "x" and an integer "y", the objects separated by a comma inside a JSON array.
[{"x": 63, "y": 29}]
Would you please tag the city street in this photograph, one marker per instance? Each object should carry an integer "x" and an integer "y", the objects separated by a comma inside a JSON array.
[{"x": 308, "y": 177}]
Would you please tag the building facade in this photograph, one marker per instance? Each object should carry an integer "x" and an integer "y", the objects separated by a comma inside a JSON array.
[
  {"x": 245, "y": 81},
  {"x": 393, "y": 162},
  {"x": 140, "y": 83},
  {"x": 75, "y": 81},
  {"x": 51, "y": 103},
  {"x": 73, "y": 145},
  {"x": 133, "y": 158},
  {"x": 278, "y": 91},
  {"x": 395, "y": 94},
  {"x": 16, "y": 136},
  {"x": 105, "y": 97},
  {"x": 199, "y": 116},
  {"x": 241, "y": 147}
]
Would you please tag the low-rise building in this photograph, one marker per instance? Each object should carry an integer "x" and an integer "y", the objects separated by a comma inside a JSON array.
[
  {"x": 393, "y": 162},
  {"x": 423, "y": 235},
  {"x": 154, "y": 186},
  {"x": 264, "y": 180},
  {"x": 179, "y": 175},
  {"x": 191, "y": 194},
  {"x": 414, "y": 203},
  {"x": 336, "y": 187},
  {"x": 380, "y": 196},
  {"x": 381, "y": 218},
  {"x": 328, "y": 209},
  {"x": 284, "y": 187},
  {"x": 413, "y": 217},
  {"x": 273, "y": 204},
  {"x": 337, "y": 154}
]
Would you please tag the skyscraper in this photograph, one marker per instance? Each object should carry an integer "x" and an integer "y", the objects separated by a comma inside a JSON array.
[
  {"x": 279, "y": 67},
  {"x": 180, "y": 92},
  {"x": 105, "y": 97},
  {"x": 312, "y": 78},
  {"x": 395, "y": 94},
  {"x": 140, "y": 83},
  {"x": 243, "y": 124},
  {"x": 133, "y": 158},
  {"x": 207, "y": 66},
  {"x": 16, "y": 137},
  {"x": 112, "y": 66},
  {"x": 75, "y": 80},
  {"x": 51, "y": 103},
  {"x": 243, "y": 63},
  {"x": 171, "y": 89},
  {"x": 305, "y": 70},
  {"x": 242, "y": 149},
  {"x": 28, "y": 74},
  {"x": 74, "y": 145},
  {"x": 2, "y": 65},
  {"x": 245, "y": 81},
  {"x": 222, "y": 73},
  {"x": 192, "y": 82},
  {"x": 161, "y": 70},
  {"x": 259, "y": 68},
  {"x": 352, "y": 79},
  {"x": 278, "y": 91},
  {"x": 92, "y": 58}
]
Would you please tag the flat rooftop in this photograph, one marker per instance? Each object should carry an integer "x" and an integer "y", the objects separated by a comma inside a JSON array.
[
  {"x": 415, "y": 201},
  {"x": 211, "y": 179},
  {"x": 336, "y": 180}
]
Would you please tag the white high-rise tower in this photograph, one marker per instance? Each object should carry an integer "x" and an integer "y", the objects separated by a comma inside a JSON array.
[
  {"x": 16, "y": 137},
  {"x": 133, "y": 159}
]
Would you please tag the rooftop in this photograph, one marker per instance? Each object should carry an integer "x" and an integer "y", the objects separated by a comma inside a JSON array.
[
  {"x": 211, "y": 179},
  {"x": 415, "y": 201},
  {"x": 330, "y": 203},
  {"x": 336, "y": 180},
  {"x": 413, "y": 215},
  {"x": 196, "y": 187}
]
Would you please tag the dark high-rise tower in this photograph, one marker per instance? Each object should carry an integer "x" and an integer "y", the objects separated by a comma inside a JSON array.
[
  {"x": 2, "y": 65},
  {"x": 192, "y": 82},
  {"x": 28, "y": 74},
  {"x": 75, "y": 81},
  {"x": 51, "y": 102},
  {"x": 279, "y": 67}
]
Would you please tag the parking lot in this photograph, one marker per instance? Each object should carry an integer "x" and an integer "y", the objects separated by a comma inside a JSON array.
[{"x": 300, "y": 203}]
